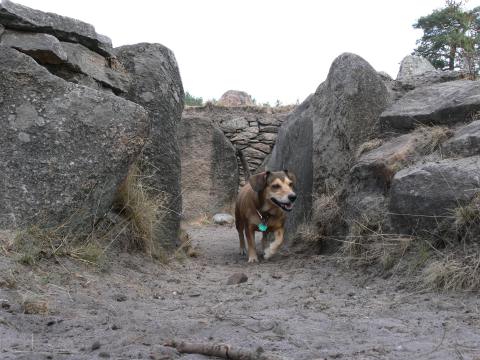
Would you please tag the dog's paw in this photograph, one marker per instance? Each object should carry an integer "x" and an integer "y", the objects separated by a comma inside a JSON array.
[
  {"x": 252, "y": 259},
  {"x": 243, "y": 252},
  {"x": 267, "y": 254}
]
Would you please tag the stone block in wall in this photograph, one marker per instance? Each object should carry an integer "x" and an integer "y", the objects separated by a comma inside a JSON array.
[
  {"x": 269, "y": 129},
  {"x": 267, "y": 137},
  {"x": 262, "y": 147},
  {"x": 254, "y": 153},
  {"x": 232, "y": 125}
]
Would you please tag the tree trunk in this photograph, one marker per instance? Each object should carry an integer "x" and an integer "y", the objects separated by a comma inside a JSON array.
[{"x": 451, "y": 57}]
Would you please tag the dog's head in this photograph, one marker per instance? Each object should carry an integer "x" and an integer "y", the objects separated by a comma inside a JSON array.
[{"x": 277, "y": 187}]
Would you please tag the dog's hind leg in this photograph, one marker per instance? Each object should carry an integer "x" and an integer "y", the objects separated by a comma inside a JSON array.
[{"x": 264, "y": 241}]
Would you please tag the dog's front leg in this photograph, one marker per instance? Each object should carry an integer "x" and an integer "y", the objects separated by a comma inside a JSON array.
[
  {"x": 252, "y": 251},
  {"x": 273, "y": 248}
]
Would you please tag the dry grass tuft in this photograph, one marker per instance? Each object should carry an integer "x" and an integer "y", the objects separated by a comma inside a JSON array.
[
  {"x": 327, "y": 215},
  {"x": 431, "y": 137},
  {"x": 186, "y": 244},
  {"x": 307, "y": 235},
  {"x": 35, "y": 306},
  {"x": 367, "y": 244},
  {"x": 368, "y": 146},
  {"x": 454, "y": 272},
  {"x": 35, "y": 244},
  {"x": 142, "y": 211},
  {"x": 455, "y": 263}
]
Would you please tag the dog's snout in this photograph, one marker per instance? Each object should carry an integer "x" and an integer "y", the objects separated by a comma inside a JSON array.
[{"x": 292, "y": 197}]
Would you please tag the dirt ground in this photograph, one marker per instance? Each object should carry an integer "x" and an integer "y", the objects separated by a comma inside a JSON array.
[{"x": 297, "y": 306}]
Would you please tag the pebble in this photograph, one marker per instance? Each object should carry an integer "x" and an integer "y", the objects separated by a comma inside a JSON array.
[
  {"x": 96, "y": 345},
  {"x": 237, "y": 278},
  {"x": 120, "y": 297}
]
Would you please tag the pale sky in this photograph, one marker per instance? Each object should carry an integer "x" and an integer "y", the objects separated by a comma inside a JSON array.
[{"x": 272, "y": 49}]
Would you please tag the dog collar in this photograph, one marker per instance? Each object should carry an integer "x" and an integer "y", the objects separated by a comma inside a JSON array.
[{"x": 263, "y": 222}]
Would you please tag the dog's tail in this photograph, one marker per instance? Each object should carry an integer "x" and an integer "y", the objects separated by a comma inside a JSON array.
[{"x": 243, "y": 160}]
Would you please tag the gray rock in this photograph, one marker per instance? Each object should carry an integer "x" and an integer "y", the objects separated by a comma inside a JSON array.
[
  {"x": 44, "y": 48},
  {"x": 412, "y": 65},
  {"x": 347, "y": 107},
  {"x": 375, "y": 169},
  {"x": 253, "y": 153},
  {"x": 439, "y": 104},
  {"x": 18, "y": 17},
  {"x": 2, "y": 29},
  {"x": 223, "y": 219},
  {"x": 64, "y": 148},
  {"x": 234, "y": 124},
  {"x": 293, "y": 151},
  {"x": 237, "y": 278},
  {"x": 262, "y": 147},
  {"x": 235, "y": 98},
  {"x": 425, "y": 195},
  {"x": 244, "y": 136},
  {"x": 465, "y": 142},
  {"x": 269, "y": 129},
  {"x": 384, "y": 76},
  {"x": 209, "y": 168},
  {"x": 270, "y": 120},
  {"x": 267, "y": 138},
  {"x": 95, "y": 66},
  {"x": 157, "y": 86},
  {"x": 427, "y": 78}
]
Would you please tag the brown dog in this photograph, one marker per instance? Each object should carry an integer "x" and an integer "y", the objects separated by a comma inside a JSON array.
[{"x": 261, "y": 206}]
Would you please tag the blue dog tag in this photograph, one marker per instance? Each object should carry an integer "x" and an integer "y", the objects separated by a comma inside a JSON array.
[{"x": 262, "y": 227}]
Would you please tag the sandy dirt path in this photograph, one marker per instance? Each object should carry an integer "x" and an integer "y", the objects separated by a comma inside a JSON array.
[{"x": 301, "y": 307}]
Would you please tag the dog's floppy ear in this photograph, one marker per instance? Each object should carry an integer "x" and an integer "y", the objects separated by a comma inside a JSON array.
[
  {"x": 259, "y": 181},
  {"x": 291, "y": 176}
]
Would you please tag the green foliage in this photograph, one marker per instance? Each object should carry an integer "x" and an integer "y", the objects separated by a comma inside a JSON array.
[
  {"x": 191, "y": 100},
  {"x": 451, "y": 37}
]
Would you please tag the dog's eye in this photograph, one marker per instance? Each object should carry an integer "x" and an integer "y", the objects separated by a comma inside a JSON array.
[{"x": 275, "y": 186}]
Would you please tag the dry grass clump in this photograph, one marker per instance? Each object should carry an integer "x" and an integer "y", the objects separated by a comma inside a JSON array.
[
  {"x": 367, "y": 244},
  {"x": 327, "y": 214},
  {"x": 308, "y": 236},
  {"x": 456, "y": 271},
  {"x": 142, "y": 211},
  {"x": 430, "y": 138},
  {"x": 35, "y": 243},
  {"x": 368, "y": 146},
  {"x": 456, "y": 261},
  {"x": 35, "y": 306}
]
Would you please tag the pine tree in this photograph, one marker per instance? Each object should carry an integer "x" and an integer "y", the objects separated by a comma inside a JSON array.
[{"x": 451, "y": 37}]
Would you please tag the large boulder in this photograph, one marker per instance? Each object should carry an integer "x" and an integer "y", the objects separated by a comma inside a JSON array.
[
  {"x": 18, "y": 17},
  {"x": 465, "y": 142},
  {"x": 64, "y": 148},
  {"x": 319, "y": 140},
  {"x": 413, "y": 65},
  {"x": 439, "y": 104},
  {"x": 209, "y": 169},
  {"x": 157, "y": 86},
  {"x": 235, "y": 98},
  {"x": 425, "y": 195},
  {"x": 348, "y": 105},
  {"x": 293, "y": 151}
]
